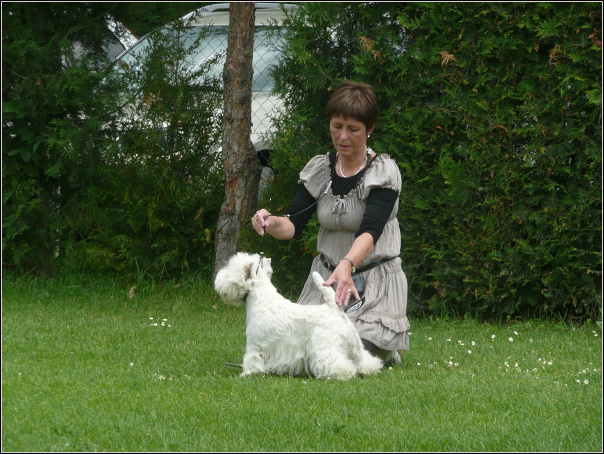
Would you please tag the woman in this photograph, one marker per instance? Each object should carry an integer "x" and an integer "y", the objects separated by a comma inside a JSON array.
[{"x": 355, "y": 194}]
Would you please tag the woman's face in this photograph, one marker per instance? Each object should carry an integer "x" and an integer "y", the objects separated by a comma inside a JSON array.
[{"x": 349, "y": 136}]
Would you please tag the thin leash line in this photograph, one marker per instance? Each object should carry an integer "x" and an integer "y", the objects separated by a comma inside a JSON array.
[
  {"x": 308, "y": 207},
  {"x": 333, "y": 171},
  {"x": 260, "y": 264}
]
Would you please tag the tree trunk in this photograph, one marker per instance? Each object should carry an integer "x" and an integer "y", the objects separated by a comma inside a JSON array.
[{"x": 241, "y": 167}]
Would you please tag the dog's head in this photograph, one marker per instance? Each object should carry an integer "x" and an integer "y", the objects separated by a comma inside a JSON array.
[{"x": 234, "y": 281}]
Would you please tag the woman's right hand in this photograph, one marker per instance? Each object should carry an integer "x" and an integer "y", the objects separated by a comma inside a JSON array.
[
  {"x": 259, "y": 221},
  {"x": 346, "y": 292}
]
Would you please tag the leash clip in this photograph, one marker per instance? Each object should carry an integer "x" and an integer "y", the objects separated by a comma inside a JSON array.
[{"x": 260, "y": 264}]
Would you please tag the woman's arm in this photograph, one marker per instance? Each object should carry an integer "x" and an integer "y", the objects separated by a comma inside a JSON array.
[
  {"x": 279, "y": 227},
  {"x": 297, "y": 216}
]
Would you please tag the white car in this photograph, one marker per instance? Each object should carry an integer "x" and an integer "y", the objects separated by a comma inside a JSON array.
[
  {"x": 214, "y": 20},
  {"x": 116, "y": 43}
]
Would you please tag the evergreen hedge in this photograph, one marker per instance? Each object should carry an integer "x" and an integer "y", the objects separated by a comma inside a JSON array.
[
  {"x": 493, "y": 114},
  {"x": 105, "y": 169},
  {"x": 491, "y": 110}
]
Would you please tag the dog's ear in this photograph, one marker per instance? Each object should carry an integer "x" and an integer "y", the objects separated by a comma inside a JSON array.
[{"x": 248, "y": 271}]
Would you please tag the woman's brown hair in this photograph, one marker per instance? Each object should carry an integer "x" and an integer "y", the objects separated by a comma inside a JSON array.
[{"x": 354, "y": 100}]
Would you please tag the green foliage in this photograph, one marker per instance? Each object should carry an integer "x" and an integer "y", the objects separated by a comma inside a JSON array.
[
  {"x": 106, "y": 168},
  {"x": 161, "y": 181},
  {"x": 38, "y": 90},
  {"x": 492, "y": 112}
]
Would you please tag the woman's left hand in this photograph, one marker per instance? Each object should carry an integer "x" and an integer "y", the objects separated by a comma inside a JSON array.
[{"x": 346, "y": 292}]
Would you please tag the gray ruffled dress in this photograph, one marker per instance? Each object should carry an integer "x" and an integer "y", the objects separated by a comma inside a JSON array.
[{"x": 382, "y": 319}]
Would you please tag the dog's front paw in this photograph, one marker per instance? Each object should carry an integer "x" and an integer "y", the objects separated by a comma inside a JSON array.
[{"x": 249, "y": 373}]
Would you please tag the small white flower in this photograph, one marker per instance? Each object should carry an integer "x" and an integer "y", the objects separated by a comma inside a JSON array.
[
  {"x": 469, "y": 352},
  {"x": 473, "y": 343},
  {"x": 493, "y": 336},
  {"x": 511, "y": 339},
  {"x": 429, "y": 338},
  {"x": 586, "y": 382},
  {"x": 131, "y": 364},
  {"x": 516, "y": 333}
]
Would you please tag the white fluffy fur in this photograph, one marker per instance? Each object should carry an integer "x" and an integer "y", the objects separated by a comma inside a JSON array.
[{"x": 287, "y": 338}]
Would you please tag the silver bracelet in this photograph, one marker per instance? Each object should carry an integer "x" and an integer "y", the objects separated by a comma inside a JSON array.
[{"x": 354, "y": 268}]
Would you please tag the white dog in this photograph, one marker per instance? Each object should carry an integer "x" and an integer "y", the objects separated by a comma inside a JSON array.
[{"x": 287, "y": 338}]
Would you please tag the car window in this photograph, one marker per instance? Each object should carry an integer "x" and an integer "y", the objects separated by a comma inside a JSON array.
[{"x": 215, "y": 44}]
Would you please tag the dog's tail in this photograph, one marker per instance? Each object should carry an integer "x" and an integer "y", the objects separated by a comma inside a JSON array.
[{"x": 329, "y": 296}]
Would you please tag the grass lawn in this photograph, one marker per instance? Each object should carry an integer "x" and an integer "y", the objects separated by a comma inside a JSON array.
[{"x": 88, "y": 368}]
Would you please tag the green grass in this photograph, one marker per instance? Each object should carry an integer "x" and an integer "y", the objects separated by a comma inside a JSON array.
[{"x": 83, "y": 369}]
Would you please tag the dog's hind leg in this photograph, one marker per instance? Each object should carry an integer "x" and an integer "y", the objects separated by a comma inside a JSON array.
[
  {"x": 340, "y": 368},
  {"x": 367, "y": 363},
  {"x": 333, "y": 366},
  {"x": 328, "y": 357}
]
